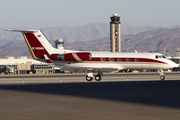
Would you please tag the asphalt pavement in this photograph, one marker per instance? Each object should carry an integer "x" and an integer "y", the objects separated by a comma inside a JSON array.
[{"x": 110, "y": 99}]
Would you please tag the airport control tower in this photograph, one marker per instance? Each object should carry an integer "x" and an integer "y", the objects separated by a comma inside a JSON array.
[
  {"x": 59, "y": 43},
  {"x": 115, "y": 34}
]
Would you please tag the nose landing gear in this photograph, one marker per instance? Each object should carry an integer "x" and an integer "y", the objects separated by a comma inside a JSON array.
[{"x": 162, "y": 77}]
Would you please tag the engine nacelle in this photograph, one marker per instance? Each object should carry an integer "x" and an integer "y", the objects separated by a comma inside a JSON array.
[{"x": 79, "y": 56}]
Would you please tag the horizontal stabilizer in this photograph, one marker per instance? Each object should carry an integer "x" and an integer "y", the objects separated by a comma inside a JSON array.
[{"x": 23, "y": 31}]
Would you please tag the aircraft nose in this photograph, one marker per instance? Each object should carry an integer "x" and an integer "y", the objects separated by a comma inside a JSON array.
[
  {"x": 173, "y": 64},
  {"x": 176, "y": 65}
]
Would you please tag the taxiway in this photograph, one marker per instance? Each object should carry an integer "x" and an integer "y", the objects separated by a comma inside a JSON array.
[
  {"x": 70, "y": 96},
  {"x": 80, "y": 77}
]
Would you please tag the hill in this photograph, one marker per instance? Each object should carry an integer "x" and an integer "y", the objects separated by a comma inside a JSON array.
[
  {"x": 154, "y": 40},
  {"x": 86, "y": 32}
]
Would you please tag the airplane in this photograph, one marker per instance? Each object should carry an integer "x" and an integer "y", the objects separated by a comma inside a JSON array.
[{"x": 92, "y": 61}]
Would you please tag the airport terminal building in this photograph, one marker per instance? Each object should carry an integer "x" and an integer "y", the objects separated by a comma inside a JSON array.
[
  {"x": 27, "y": 65},
  {"x": 23, "y": 65}
]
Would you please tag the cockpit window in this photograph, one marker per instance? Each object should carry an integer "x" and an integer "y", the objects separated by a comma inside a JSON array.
[
  {"x": 160, "y": 56},
  {"x": 163, "y": 56}
]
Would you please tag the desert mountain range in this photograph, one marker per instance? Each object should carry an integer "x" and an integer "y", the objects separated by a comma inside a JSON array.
[
  {"x": 86, "y": 32},
  {"x": 95, "y": 36},
  {"x": 153, "y": 40}
]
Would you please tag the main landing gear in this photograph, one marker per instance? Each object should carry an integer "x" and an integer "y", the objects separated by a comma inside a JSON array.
[
  {"x": 89, "y": 76},
  {"x": 98, "y": 77},
  {"x": 162, "y": 77}
]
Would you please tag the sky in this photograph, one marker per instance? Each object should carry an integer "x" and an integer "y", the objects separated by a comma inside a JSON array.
[{"x": 75, "y": 13}]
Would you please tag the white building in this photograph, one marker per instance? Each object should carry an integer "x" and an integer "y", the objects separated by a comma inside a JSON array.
[{"x": 23, "y": 65}]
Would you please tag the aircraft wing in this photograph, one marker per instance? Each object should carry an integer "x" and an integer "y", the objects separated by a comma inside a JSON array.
[{"x": 93, "y": 69}]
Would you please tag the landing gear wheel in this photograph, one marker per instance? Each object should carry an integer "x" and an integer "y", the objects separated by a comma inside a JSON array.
[
  {"x": 89, "y": 78},
  {"x": 98, "y": 77},
  {"x": 162, "y": 77}
]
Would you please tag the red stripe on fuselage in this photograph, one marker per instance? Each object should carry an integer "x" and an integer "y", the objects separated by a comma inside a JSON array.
[
  {"x": 98, "y": 59},
  {"x": 36, "y": 46}
]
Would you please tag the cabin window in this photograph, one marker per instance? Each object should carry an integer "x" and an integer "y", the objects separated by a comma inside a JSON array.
[
  {"x": 119, "y": 59},
  {"x": 137, "y": 59},
  {"x": 157, "y": 56},
  {"x": 103, "y": 59},
  {"x": 128, "y": 59},
  {"x": 111, "y": 59}
]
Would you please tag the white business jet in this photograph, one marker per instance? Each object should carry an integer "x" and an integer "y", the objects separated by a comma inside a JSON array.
[{"x": 99, "y": 62}]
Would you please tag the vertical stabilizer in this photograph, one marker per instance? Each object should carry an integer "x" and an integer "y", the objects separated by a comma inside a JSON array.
[{"x": 37, "y": 43}]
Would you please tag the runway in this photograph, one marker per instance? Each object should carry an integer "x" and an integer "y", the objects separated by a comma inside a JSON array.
[
  {"x": 80, "y": 77},
  {"x": 70, "y": 96}
]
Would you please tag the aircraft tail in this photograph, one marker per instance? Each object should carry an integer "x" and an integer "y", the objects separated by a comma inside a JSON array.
[{"x": 37, "y": 44}]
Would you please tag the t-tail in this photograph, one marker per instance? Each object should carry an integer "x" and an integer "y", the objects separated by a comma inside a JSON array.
[
  {"x": 41, "y": 49},
  {"x": 37, "y": 43}
]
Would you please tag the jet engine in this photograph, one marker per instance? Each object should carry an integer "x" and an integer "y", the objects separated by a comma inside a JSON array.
[{"x": 79, "y": 56}]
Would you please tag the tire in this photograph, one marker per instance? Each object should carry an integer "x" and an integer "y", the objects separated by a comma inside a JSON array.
[
  {"x": 162, "y": 77},
  {"x": 89, "y": 78},
  {"x": 98, "y": 77}
]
